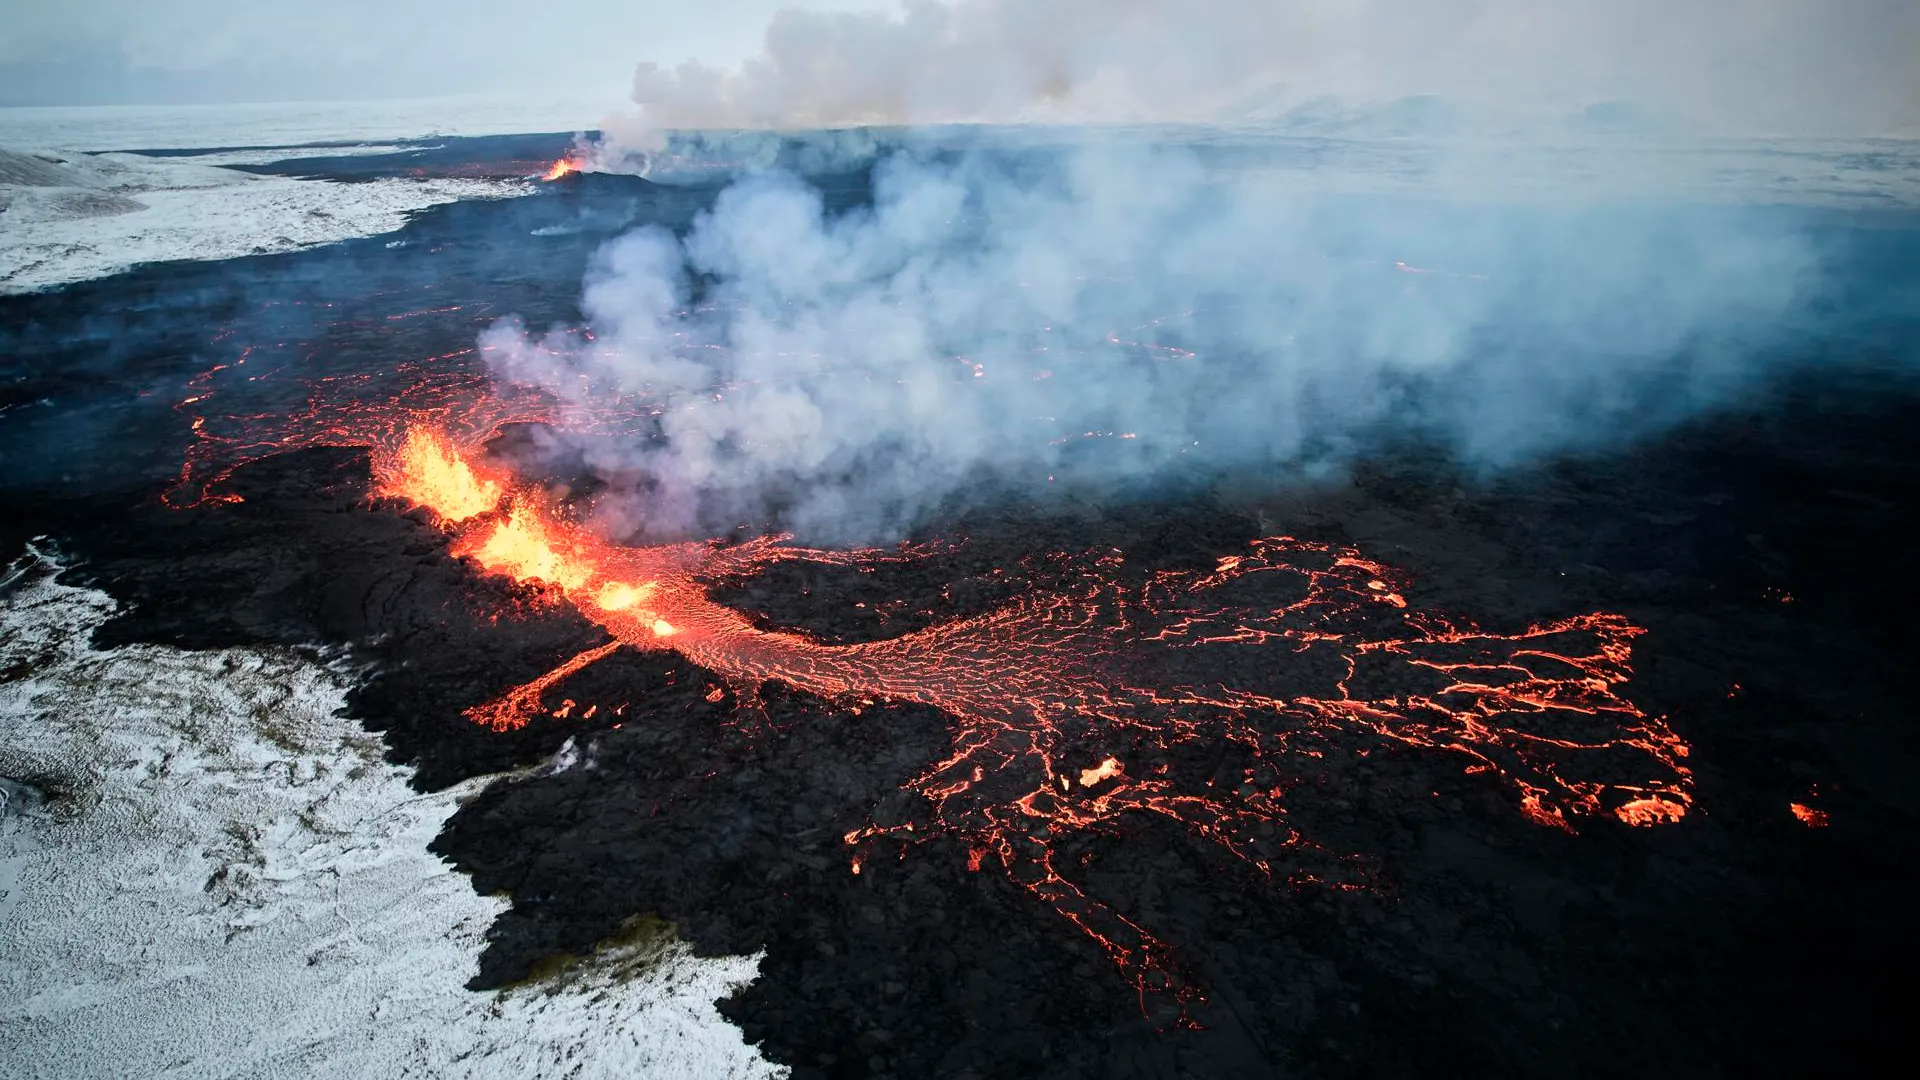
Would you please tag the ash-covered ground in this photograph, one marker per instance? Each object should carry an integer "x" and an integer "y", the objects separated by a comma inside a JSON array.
[{"x": 1762, "y": 546}]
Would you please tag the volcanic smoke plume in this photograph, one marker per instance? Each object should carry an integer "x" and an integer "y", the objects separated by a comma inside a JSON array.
[
  {"x": 1246, "y": 300},
  {"x": 1086, "y": 700},
  {"x": 1118, "y": 314},
  {"x": 1767, "y": 66}
]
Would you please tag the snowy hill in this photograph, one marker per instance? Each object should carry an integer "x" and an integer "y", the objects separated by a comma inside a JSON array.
[{"x": 68, "y": 217}]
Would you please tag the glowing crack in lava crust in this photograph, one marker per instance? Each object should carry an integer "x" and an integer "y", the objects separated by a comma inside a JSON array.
[{"x": 1032, "y": 685}]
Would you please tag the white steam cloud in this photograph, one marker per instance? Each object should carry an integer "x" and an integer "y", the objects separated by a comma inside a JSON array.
[
  {"x": 1729, "y": 66},
  {"x": 856, "y": 368},
  {"x": 1099, "y": 304}
]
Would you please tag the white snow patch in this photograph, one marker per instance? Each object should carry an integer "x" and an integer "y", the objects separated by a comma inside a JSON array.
[
  {"x": 270, "y": 154},
  {"x": 226, "y": 880},
  {"x": 67, "y": 216}
]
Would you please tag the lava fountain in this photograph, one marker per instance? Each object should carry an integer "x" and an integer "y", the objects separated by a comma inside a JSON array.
[
  {"x": 562, "y": 167},
  {"x": 1058, "y": 723}
]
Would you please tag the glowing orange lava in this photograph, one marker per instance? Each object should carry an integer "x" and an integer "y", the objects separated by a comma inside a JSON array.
[
  {"x": 561, "y": 168},
  {"x": 522, "y": 545},
  {"x": 512, "y": 709},
  {"x": 1651, "y": 810},
  {"x": 429, "y": 473},
  {"x": 1056, "y": 719},
  {"x": 1811, "y": 818}
]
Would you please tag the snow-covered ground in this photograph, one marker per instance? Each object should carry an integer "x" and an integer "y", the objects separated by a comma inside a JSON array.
[
  {"x": 267, "y": 155},
  {"x": 173, "y": 127},
  {"x": 205, "y": 873},
  {"x": 68, "y": 216}
]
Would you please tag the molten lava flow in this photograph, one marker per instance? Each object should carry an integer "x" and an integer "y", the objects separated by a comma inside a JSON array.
[
  {"x": 512, "y": 709},
  {"x": 523, "y": 546},
  {"x": 1808, "y": 816},
  {"x": 1058, "y": 725},
  {"x": 1651, "y": 810}
]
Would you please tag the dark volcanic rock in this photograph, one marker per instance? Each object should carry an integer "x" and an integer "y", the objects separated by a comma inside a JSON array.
[
  {"x": 1766, "y": 552},
  {"x": 304, "y": 560},
  {"x": 1487, "y": 946}
]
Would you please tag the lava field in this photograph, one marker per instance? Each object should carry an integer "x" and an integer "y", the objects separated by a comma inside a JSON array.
[{"x": 1596, "y": 766}]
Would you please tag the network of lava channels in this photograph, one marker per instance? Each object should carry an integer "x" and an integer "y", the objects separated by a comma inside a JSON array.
[{"x": 1029, "y": 687}]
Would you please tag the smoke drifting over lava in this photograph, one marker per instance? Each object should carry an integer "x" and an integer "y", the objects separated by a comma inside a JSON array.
[
  {"x": 1222, "y": 302},
  {"x": 1090, "y": 676},
  {"x": 1016, "y": 799},
  {"x": 858, "y": 367}
]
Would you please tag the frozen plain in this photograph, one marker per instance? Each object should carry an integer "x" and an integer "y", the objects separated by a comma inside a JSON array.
[{"x": 207, "y": 873}]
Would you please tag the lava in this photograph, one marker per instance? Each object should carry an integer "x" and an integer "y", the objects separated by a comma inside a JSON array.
[
  {"x": 512, "y": 709},
  {"x": 562, "y": 167},
  {"x": 522, "y": 546},
  {"x": 430, "y": 474},
  {"x": 1809, "y": 816},
  {"x": 1058, "y": 724}
]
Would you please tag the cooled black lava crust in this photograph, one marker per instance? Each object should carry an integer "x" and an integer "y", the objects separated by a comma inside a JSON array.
[{"x": 1738, "y": 942}]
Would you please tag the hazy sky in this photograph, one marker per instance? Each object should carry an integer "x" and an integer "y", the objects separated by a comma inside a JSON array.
[
  {"x": 1796, "y": 66},
  {"x": 1746, "y": 66},
  {"x": 58, "y": 52}
]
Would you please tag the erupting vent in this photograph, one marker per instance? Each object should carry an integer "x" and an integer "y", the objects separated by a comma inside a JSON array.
[
  {"x": 1059, "y": 724},
  {"x": 561, "y": 168}
]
